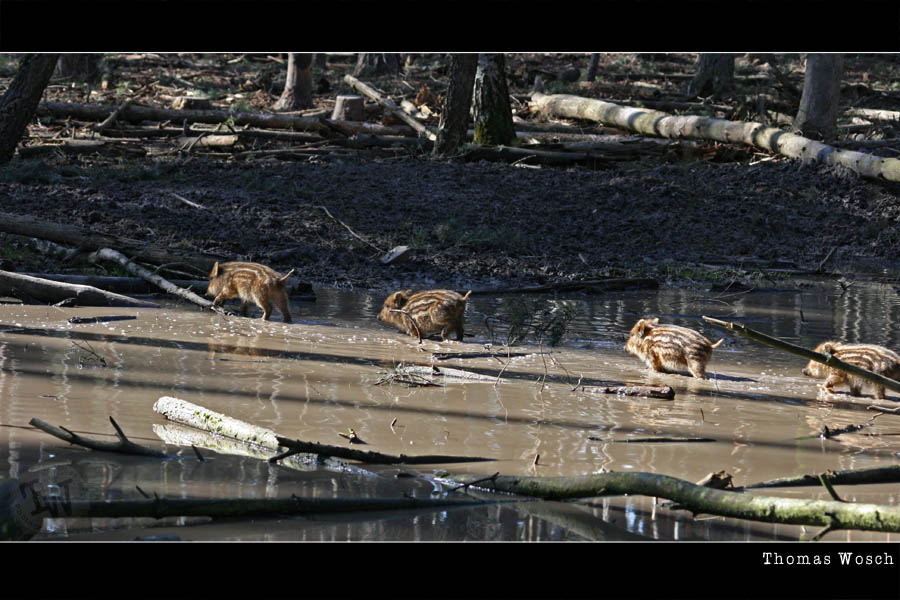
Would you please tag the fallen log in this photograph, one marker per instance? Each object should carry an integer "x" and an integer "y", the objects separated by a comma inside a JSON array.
[
  {"x": 208, "y": 141},
  {"x": 695, "y": 498},
  {"x": 395, "y": 110},
  {"x": 86, "y": 240},
  {"x": 112, "y": 255},
  {"x": 871, "y": 113},
  {"x": 198, "y": 417},
  {"x": 112, "y": 147},
  {"x": 651, "y": 122},
  {"x": 34, "y": 289},
  {"x": 201, "y": 418},
  {"x": 132, "y": 113}
]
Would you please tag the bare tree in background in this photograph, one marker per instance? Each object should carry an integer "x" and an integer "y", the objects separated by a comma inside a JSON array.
[
  {"x": 375, "y": 63},
  {"x": 819, "y": 104},
  {"x": 591, "y": 74},
  {"x": 85, "y": 67},
  {"x": 715, "y": 75},
  {"x": 492, "y": 112},
  {"x": 457, "y": 102},
  {"x": 18, "y": 104},
  {"x": 297, "y": 92}
]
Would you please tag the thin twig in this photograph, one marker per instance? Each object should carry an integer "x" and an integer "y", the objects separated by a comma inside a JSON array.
[{"x": 353, "y": 233}]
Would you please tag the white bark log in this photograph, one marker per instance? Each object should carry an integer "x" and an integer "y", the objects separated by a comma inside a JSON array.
[
  {"x": 651, "y": 122},
  {"x": 204, "y": 419},
  {"x": 112, "y": 255}
]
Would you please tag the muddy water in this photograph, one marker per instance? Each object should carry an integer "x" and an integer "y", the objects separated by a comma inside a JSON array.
[{"x": 316, "y": 378}]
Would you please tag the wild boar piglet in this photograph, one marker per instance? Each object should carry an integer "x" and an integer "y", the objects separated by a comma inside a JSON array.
[
  {"x": 427, "y": 312},
  {"x": 878, "y": 359},
  {"x": 666, "y": 348},
  {"x": 251, "y": 282}
]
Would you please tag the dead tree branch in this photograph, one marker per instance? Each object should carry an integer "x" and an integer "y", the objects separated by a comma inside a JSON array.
[
  {"x": 697, "y": 499},
  {"x": 123, "y": 446}
]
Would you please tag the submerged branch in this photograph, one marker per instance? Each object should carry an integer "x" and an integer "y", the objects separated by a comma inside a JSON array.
[
  {"x": 159, "y": 508},
  {"x": 698, "y": 499},
  {"x": 826, "y": 359},
  {"x": 889, "y": 474},
  {"x": 123, "y": 446},
  {"x": 664, "y": 392}
]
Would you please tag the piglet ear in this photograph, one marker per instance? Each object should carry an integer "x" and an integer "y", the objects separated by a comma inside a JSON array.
[
  {"x": 654, "y": 321},
  {"x": 644, "y": 326},
  {"x": 401, "y": 298},
  {"x": 215, "y": 271}
]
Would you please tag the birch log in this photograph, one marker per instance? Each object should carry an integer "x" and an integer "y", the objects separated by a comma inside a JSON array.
[{"x": 652, "y": 122}]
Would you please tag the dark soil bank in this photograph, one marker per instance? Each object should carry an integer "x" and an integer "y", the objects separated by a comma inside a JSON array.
[{"x": 472, "y": 224}]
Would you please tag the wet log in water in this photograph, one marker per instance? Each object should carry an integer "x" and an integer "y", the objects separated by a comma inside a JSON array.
[
  {"x": 875, "y": 475},
  {"x": 201, "y": 418},
  {"x": 159, "y": 508},
  {"x": 698, "y": 499},
  {"x": 664, "y": 392},
  {"x": 36, "y": 290}
]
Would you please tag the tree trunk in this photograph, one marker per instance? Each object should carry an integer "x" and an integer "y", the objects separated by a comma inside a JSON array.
[
  {"x": 18, "y": 104},
  {"x": 297, "y": 92},
  {"x": 817, "y": 117},
  {"x": 83, "y": 67},
  {"x": 457, "y": 101},
  {"x": 375, "y": 63},
  {"x": 493, "y": 115},
  {"x": 715, "y": 75},
  {"x": 591, "y": 74}
]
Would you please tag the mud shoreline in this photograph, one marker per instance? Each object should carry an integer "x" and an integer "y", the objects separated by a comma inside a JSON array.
[{"x": 473, "y": 225}]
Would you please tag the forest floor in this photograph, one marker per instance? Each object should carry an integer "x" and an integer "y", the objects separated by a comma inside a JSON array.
[{"x": 713, "y": 214}]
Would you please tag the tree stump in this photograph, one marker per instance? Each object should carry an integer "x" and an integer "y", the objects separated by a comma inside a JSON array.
[{"x": 348, "y": 108}]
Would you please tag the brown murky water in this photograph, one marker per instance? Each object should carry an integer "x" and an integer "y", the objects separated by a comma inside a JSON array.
[{"x": 316, "y": 378}]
